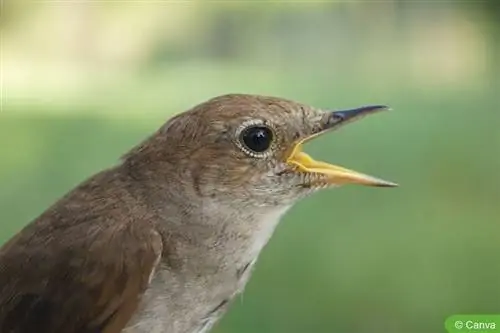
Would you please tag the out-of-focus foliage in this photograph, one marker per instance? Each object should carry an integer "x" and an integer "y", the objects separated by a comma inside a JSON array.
[{"x": 83, "y": 81}]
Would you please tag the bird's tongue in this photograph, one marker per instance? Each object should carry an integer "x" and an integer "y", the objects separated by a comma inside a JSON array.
[{"x": 336, "y": 175}]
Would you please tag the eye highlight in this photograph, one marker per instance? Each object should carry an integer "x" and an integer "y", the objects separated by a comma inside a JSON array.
[{"x": 255, "y": 139}]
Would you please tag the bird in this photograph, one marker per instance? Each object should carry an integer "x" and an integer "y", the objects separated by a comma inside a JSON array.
[{"x": 164, "y": 240}]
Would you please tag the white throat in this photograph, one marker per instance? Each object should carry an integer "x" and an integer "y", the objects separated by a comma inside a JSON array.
[
  {"x": 193, "y": 298},
  {"x": 264, "y": 228},
  {"x": 242, "y": 234}
]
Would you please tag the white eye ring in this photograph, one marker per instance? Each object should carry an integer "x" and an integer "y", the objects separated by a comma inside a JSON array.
[{"x": 264, "y": 129}]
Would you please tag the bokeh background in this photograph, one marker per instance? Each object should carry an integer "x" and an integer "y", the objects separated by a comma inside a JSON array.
[{"x": 84, "y": 81}]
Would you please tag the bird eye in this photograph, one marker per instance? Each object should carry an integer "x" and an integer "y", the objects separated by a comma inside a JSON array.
[{"x": 257, "y": 138}]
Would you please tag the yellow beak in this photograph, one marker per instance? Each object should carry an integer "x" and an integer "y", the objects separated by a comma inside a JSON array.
[{"x": 336, "y": 175}]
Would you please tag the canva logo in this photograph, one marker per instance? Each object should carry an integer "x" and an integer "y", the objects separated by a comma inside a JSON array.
[{"x": 473, "y": 323}]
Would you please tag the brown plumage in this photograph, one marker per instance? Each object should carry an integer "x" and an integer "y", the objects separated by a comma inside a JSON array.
[
  {"x": 162, "y": 241},
  {"x": 81, "y": 265}
]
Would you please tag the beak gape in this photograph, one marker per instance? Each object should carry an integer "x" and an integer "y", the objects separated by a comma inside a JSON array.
[{"x": 336, "y": 175}]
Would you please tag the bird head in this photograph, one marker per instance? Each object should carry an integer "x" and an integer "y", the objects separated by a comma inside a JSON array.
[{"x": 250, "y": 148}]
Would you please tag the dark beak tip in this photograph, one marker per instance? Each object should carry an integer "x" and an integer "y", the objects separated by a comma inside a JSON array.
[
  {"x": 364, "y": 110},
  {"x": 375, "y": 108},
  {"x": 384, "y": 107},
  {"x": 388, "y": 185}
]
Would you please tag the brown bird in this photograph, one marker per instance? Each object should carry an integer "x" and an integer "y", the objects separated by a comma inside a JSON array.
[{"x": 163, "y": 241}]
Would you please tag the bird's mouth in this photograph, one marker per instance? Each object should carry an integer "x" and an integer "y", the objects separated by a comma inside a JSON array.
[{"x": 333, "y": 174}]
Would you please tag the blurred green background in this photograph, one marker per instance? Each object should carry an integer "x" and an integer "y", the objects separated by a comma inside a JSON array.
[{"x": 84, "y": 81}]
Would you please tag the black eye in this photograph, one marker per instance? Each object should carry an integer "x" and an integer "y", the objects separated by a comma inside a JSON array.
[{"x": 257, "y": 138}]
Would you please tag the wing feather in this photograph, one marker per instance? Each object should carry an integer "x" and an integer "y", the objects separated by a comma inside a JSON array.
[{"x": 50, "y": 283}]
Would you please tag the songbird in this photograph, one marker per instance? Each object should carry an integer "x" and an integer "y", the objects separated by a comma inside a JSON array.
[{"x": 163, "y": 241}]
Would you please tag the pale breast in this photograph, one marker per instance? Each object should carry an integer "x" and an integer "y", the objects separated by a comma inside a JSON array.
[{"x": 191, "y": 301}]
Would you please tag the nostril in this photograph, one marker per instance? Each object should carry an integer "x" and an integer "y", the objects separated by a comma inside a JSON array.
[{"x": 336, "y": 117}]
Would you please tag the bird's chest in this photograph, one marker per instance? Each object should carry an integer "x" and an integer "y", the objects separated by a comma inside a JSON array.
[
  {"x": 176, "y": 304},
  {"x": 220, "y": 303},
  {"x": 191, "y": 300}
]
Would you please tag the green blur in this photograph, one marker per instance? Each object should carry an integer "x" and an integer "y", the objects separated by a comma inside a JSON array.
[{"x": 349, "y": 260}]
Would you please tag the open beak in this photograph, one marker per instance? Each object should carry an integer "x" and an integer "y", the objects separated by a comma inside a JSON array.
[{"x": 336, "y": 175}]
